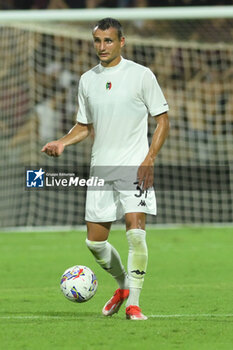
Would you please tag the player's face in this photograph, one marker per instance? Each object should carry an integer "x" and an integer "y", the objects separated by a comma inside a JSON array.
[{"x": 108, "y": 46}]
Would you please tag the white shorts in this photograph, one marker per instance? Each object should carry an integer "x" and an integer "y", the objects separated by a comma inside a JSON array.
[{"x": 111, "y": 203}]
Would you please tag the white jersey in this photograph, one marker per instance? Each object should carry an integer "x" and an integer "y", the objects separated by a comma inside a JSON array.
[{"x": 117, "y": 100}]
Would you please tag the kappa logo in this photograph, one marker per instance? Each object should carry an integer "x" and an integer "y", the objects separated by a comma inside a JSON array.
[
  {"x": 108, "y": 85},
  {"x": 142, "y": 203},
  {"x": 138, "y": 272}
]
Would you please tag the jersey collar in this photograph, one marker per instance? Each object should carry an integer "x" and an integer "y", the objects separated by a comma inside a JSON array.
[{"x": 112, "y": 69}]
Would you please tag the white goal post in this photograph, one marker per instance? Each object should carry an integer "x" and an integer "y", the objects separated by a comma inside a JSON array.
[
  {"x": 154, "y": 13},
  {"x": 42, "y": 55}
]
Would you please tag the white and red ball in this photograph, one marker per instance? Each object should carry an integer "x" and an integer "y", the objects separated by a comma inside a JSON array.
[{"x": 79, "y": 283}]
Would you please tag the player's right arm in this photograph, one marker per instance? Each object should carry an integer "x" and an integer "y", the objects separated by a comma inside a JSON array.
[{"x": 78, "y": 133}]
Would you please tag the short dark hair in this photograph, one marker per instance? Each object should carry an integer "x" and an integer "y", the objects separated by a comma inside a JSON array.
[{"x": 107, "y": 23}]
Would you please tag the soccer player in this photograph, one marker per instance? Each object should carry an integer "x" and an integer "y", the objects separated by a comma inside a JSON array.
[{"x": 115, "y": 99}]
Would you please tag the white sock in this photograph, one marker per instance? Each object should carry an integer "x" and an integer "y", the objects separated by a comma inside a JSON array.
[
  {"x": 137, "y": 263},
  {"x": 109, "y": 259},
  {"x": 134, "y": 295}
]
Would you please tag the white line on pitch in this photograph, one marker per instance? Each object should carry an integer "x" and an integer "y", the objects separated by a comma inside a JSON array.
[
  {"x": 191, "y": 315},
  {"x": 38, "y": 317},
  {"x": 30, "y": 317}
]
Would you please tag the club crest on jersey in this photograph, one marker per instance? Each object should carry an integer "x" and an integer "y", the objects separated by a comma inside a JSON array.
[{"x": 108, "y": 85}]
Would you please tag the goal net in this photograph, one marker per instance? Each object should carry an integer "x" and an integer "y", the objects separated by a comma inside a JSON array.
[{"x": 41, "y": 64}]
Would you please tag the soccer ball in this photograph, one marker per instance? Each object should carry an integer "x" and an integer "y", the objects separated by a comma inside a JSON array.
[{"x": 79, "y": 283}]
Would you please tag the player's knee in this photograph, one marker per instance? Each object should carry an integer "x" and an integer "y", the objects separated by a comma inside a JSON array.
[
  {"x": 137, "y": 240},
  {"x": 95, "y": 246},
  {"x": 101, "y": 251},
  {"x": 136, "y": 220}
]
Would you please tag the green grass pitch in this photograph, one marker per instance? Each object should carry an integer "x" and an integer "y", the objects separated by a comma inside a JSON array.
[{"x": 187, "y": 293}]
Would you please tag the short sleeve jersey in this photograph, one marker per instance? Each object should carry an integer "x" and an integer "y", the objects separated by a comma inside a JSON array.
[{"x": 117, "y": 101}]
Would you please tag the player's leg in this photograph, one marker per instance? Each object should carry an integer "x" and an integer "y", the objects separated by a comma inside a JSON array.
[
  {"x": 136, "y": 204},
  {"x": 137, "y": 262},
  {"x": 98, "y": 231},
  {"x": 109, "y": 259},
  {"x": 105, "y": 254}
]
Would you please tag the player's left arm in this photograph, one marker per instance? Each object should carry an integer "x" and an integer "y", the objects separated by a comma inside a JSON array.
[{"x": 146, "y": 169}]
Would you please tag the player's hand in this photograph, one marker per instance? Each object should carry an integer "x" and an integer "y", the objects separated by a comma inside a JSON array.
[
  {"x": 53, "y": 149},
  {"x": 146, "y": 174}
]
